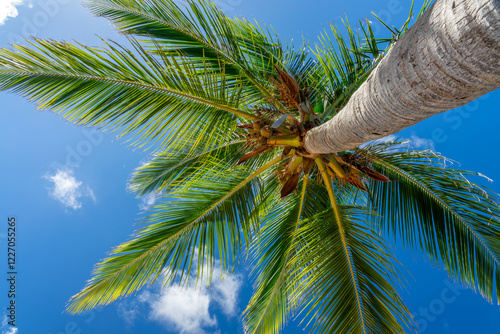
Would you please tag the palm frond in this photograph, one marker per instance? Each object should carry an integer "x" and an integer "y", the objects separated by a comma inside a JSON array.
[
  {"x": 345, "y": 62},
  {"x": 269, "y": 306},
  {"x": 433, "y": 207},
  {"x": 213, "y": 217},
  {"x": 201, "y": 30},
  {"x": 353, "y": 294},
  {"x": 186, "y": 162},
  {"x": 170, "y": 169},
  {"x": 153, "y": 98},
  {"x": 344, "y": 272}
]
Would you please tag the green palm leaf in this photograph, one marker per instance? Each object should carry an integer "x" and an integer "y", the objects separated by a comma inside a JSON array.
[
  {"x": 267, "y": 310},
  {"x": 171, "y": 169},
  {"x": 433, "y": 207},
  {"x": 181, "y": 164},
  {"x": 344, "y": 272},
  {"x": 201, "y": 30},
  {"x": 346, "y": 55},
  {"x": 154, "y": 98},
  {"x": 214, "y": 216},
  {"x": 333, "y": 301}
]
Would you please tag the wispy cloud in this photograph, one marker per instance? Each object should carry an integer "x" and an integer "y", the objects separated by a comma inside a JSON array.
[
  {"x": 379, "y": 141},
  {"x": 421, "y": 143},
  {"x": 387, "y": 139},
  {"x": 67, "y": 189},
  {"x": 148, "y": 201},
  {"x": 12, "y": 330},
  {"x": 225, "y": 293},
  {"x": 7, "y": 328},
  {"x": 187, "y": 309},
  {"x": 128, "y": 311},
  {"x": 414, "y": 141},
  {"x": 8, "y": 9}
]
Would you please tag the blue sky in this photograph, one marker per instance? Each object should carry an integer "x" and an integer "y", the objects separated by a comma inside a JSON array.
[{"x": 67, "y": 188}]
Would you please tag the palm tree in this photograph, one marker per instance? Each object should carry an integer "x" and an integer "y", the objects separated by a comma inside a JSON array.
[{"x": 226, "y": 107}]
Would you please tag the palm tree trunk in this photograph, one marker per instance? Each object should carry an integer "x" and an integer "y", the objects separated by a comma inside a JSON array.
[{"x": 450, "y": 57}]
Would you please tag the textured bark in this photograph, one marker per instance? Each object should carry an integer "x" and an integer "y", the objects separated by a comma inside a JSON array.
[{"x": 450, "y": 57}]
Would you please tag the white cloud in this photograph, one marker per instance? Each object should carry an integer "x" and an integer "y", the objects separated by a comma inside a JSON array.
[
  {"x": 148, "y": 201},
  {"x": 8, "y": 9},
  {"x": 12, "y": 330},
  {"x": 414, "y": 141},
  {"x": 380, "y": 140},
  {"x": 128, "y": 311},
  {"x": 421, "y": 143},
  {"x": 386, "y": 139},
  {"x": 225, "y": 293},
  {"x": 186, "y": 310},
  {"x": 68, "y": 190},
  {"x": 90, "y": 193},
  {"x": 8, "y": 329}
]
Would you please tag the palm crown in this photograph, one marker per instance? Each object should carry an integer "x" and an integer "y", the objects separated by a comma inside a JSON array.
[{"x": 226, "y": 106}]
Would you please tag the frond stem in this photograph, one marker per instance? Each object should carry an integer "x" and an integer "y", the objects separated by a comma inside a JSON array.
[
  {"x": 328, "y": 183},
  {"x": 141, "y": 85}
]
